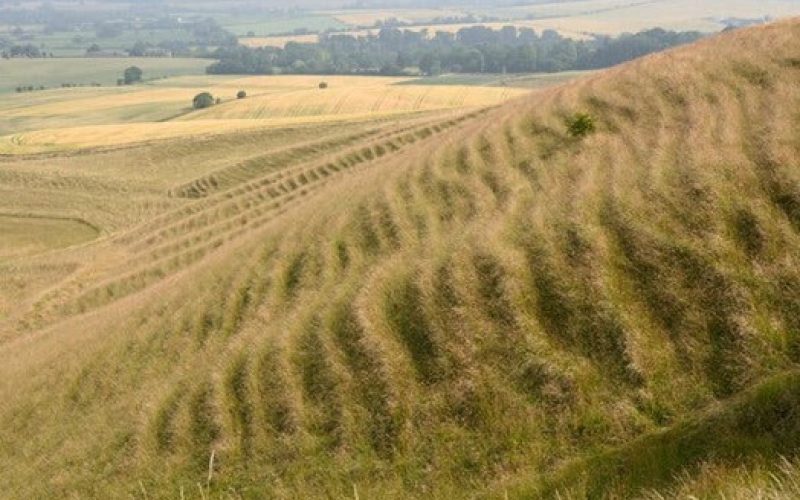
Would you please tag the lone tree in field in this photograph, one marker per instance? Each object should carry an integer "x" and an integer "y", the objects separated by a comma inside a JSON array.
[
  {"x": 132, "y": 74},
  {"x": 323, "y": 85},
  {"x": 203, "y": 100},
  {"x": 241, "y": 94}
]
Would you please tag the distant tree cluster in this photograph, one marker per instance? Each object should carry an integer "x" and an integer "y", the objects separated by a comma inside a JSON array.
[
  {"x": 208, "y": 32},
  {"x": 475, "y": 49},
  {"x": 28, "y": 88},
  {"x": 198, "y": 37},
  {"x": 65, "y": 85},
  {"x": 156, "y": 33},
  {"x": 72, "y": 85},
  {"x": 24, "y": 50},
  {"x": 164, "y": 49}
]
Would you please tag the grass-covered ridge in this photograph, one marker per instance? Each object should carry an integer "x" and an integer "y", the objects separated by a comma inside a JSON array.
[{"x": 590, "y": 281}]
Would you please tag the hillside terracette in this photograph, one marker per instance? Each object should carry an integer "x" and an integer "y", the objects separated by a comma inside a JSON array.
[{"x": 464, "y": 304}]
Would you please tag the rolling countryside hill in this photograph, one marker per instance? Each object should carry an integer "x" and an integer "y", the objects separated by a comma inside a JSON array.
[{"x": 587, "y": 291}]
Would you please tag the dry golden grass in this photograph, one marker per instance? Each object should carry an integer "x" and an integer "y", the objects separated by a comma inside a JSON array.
[
  {"x": 94, "y": 136},
  {"x": 441, "y": 306},
  {"x": 101, "y": 99},
  {"x": 273, "y": 101},
  {"x": 758, "y": 481},
  {"x": 30, "y": 235},
  {"x": 177, "y": 92},
  {"x": 354, "y": 97},
  {"x": 276, "y": 41}
]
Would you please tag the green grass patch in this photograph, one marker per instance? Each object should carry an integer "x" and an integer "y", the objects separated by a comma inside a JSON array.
[
  {"x": 52, "y": 73},
  {"x": 763, "y": 421},
  {"x": 276, "y": 25}
]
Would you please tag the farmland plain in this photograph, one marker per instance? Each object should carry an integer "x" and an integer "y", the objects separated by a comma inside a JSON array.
[
  {"x": 279, "y": 24},
  {"x": 84, "y": 117},
  {"x": 85, "y": 70},
  {"x": 577, "y": 19}
]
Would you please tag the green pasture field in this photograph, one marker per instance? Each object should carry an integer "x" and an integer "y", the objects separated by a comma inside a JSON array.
[
  {"x": 53, "y": 72},
  {"x": 272, "y": 25}
]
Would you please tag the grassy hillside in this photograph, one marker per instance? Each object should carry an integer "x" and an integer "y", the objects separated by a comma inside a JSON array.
[
  {"x": 759, "y": 425},
  {"x": 591, "y": 290}
]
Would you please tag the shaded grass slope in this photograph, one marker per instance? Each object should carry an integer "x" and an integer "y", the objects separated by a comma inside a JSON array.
[{"x": 763, "y": 422}]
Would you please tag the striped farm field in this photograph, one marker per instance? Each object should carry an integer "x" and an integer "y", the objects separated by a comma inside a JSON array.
[
  {"x": 277, "y": 40},
  {"x": 57, "y": 139},
  {"x": 104, "y": 136},
  {"x": 346, "y": 99},
  {"x": 69, "y": 119}
]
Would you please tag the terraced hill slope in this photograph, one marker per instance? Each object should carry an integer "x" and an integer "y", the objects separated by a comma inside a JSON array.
[{"x": 465, "y": 303}]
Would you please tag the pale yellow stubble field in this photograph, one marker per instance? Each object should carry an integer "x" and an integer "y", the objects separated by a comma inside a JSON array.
[{"x": 272, "y": 101}]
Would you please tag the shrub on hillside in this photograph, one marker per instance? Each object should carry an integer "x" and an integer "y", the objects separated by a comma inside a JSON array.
[
  {"x": 203, "y": 100},
  {"x": 241, "y": 94},
  {"x": 323, "y": 85},
  {"x": 580, "y": 125}
]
